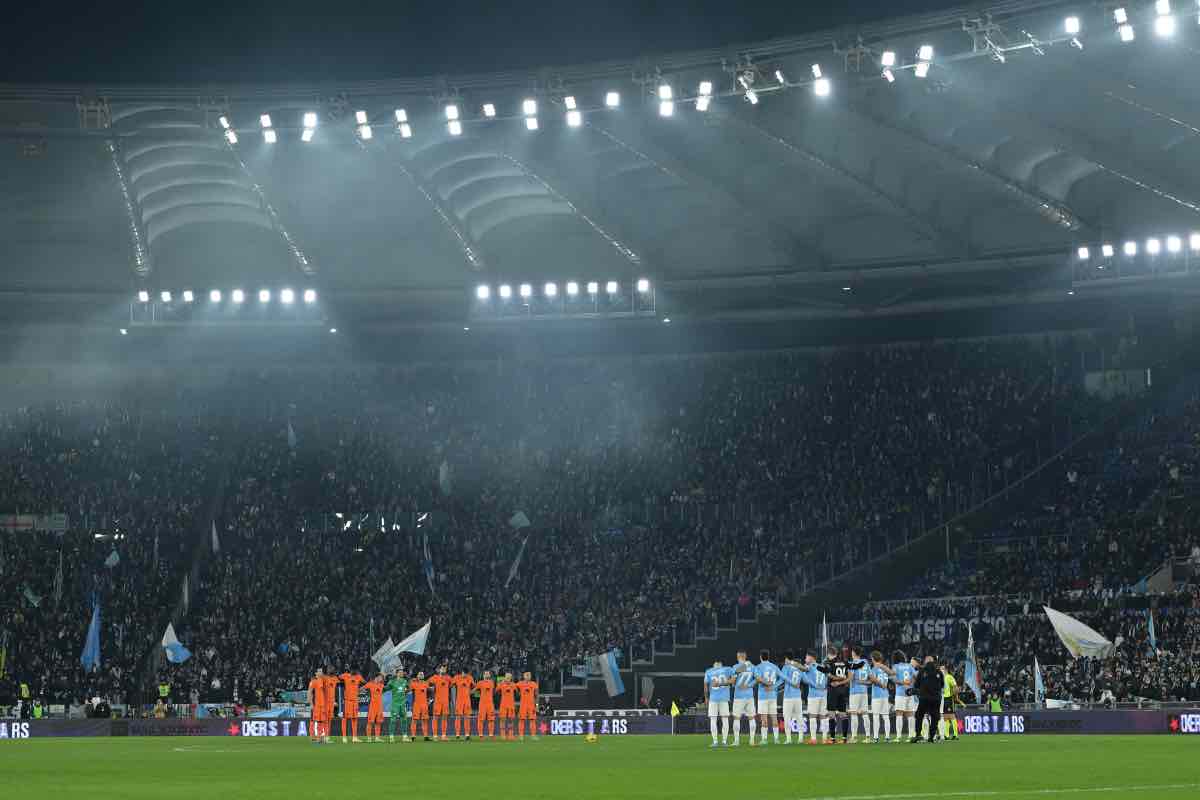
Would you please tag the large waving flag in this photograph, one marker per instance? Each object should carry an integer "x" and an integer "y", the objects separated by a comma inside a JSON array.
[
  {"x": 1153, "y": 638},
  {"x": 414, "y": 642},
  {"x": 383, "y": 656},
  {"x": 1039, "y": 687},
  {"x": 1080, "y": 640},
  {"x": 971, "y": 670},
  {"x": 176, "y": 652},
  {"x": 606, "y": 665},
  {"x": 90, "y": 657}
]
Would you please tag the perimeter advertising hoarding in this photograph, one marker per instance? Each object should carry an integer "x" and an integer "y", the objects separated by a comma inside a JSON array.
[{"x": 1024, "y": 723}]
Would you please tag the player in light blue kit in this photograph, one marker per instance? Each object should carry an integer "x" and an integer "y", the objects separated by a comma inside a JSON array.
[
  {"x": 717, "y": 680},
  {"x": 880, "y": 674},
  {"x": 860, "y": 685},
  {"x": 793, "y": 699},
  {"x": 818, "y": 711},
  {"x": 744, "y": 681},
  {"x": 904, "y": 676},
  {"x": 768, "y": 677}
]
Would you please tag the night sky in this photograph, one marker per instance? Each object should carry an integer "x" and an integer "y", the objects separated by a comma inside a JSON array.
[{"x": 170, "y": 42}]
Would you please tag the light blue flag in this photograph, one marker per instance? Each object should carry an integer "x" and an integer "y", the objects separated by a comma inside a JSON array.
[
  {"x": 606, "y": 665},
  {"x": 971, "y": 670},
  {"x": 414, "y": 642},
  {"x": 90, "y": 657},
  {"x": 1039, "y": 688},
  {"x": 176, "y": 652},
  {"x": 112, "y": 560},
  {"x": 1153, "y": 638}
]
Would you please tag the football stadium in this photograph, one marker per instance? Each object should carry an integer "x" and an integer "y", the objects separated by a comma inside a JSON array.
[{"x": 814, "y": 416}]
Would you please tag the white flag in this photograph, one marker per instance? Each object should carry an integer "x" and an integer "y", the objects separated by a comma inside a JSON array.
[
  {"x": 383, "y": 655},
  {"x": 169, "y": 637},
  {"x": 415, "y": 642},
  {"x": 519, "y": 520},
  {"x": 825, "y": 636},
  {"x": 186, "y": 595},
  {"x": 216, "y": 543},
  {"x": 1080, "y": 640},
  {"x": 516, "y": 565}
]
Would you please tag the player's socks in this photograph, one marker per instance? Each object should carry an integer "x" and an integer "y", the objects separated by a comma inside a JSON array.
[
  {"x": 753, "y": 728},
  {"x": 954, "y": 726},
  {"x": 942, "y": 728},
  {"x": 724, "y": 730}
]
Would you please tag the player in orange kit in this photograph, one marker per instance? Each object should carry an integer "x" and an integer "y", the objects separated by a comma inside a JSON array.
[
  {"x": 316, "y": 701},
  {"x": 330, "y": 681},
  {"x": 463, "y": 683},
  {"x": 485, "y": 688},
  {"x": 420, "y": 709},
  {"x": 441, "y": 702},
  {"x": 508, "y": 706},
  {"x": 528, "y": 711},
  {"x": 351, "y": 683},
  {"x": 375, "y": 709}
]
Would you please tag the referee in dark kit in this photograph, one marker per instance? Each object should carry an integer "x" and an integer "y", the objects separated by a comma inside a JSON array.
[{"x": 928, "y": 688}]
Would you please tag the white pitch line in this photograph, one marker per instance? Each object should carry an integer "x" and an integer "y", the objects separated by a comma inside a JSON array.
[{"x": 1009, "y": 792}]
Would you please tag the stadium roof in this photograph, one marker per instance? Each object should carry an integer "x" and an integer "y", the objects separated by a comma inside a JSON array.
[{"x": 1024, "y": 141}]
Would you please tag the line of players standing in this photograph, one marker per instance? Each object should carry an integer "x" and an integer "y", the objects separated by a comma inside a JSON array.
[
  {"x": 837, "y": 694},
  {"x": 410, "y": 705}
]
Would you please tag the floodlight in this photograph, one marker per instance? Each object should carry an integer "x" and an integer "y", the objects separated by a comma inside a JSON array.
[
  {"x": 405, "y": 131},
  {"x": 921, "y": 69},
  {"x": 1126, "y": 33},
  {"x": 1119, "y": 16},
  {"x": 889, "y": 76},
  {"x": 816, "y": 70},
  {"x": 287, "y": 297},
  {"x": 214, "y": 296},
  {"x": 188, "y": 296},
  {"x": 224, "y": 120},
  {"x": 888, "y": 59},
  {"x": 505, "y": 291},
  {"x": 1174, "y": 244},
  {"x": 269, "y": 136},
  {"x": 364, "y": 131},
  {"x": 821, "y": 87},
  {"x": 401, "y": 115},
  {"x": 550, "y": 289},
  {"x": 779, "y": 76},
  {"x": 1071, "y": 25},
  {"x": 752, "y": 97},
  {"x": 1106, "y": 250},
  {"x": 306, "y": 135},
  {"x": 238, "y": 295},
  {"x": 265, "y": 120},
  {"x": 264, "y": 295},
  {"x": 310, "y": 119},
  {"x": 593, "y": 287},
  {"x": 123, "y": 331},
  {"x": 455, "y": 127},
  {"x": 1153, "y": 246},
  {"x": 310, "y": 296},
  {"x": 665, "y": 92},
  {"x": 143, "y": 296},
  {"x": 666, "y": 108},
  {"x": 925, "y": 53},
  {"x": 529, "y": 107},
  {"x": 611, "y": 287},
  {"x": 612, "y": 99},
  {"x": 526, "y": 290},
  {"x": 1130, "y": 248},
  {"x": 1084, "y": 254},
  {"x": 231, "y": 136},
  {"x": 845, "y": 288},
  {"x": 706, "y": 88},
  {"x": 572, "y": 288},
  {"x": 643, "y": 285},
  {"x": 483, "y": 291},
  {"x": 451, "y": 111},
  {"x": 360, "y": 117},
  {"x": 489, "y": 110},
  {"x": 531, "y": 123},
  {"x": 569, "y": 102},
  {"x": 1164, "y": 26},
  {"x": 574, "y": 118},
  {"x": 1162, "y": 7},
  {"x": 702, "y": 102},
  {"x": 333, "y": 330}
]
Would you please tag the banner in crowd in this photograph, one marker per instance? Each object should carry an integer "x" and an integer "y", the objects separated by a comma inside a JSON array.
[
  {"x": 938, "y": 629},
  {"x": 41, "y": 523}
]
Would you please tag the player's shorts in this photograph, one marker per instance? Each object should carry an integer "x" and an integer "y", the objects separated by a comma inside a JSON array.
[
  {"x": 420, "y": 711},
  {"x": 793, "y": 708},
  {"x": 947, "y": 705},
  {"x": 441, "y": 708},
  {"x": 838, "y": 702},
  {"x": 858, "y": 703},
  {"x": 349, "y": 713},
  {"x": 527, "y": 713},
  {"x": 718, "y": 708},
  {"x": 507, "y": 712},
  {"x": 879, "y": 705},
  {"x": 743, "y": 707},
  {"x": 818, "y": 706},
  {"x": 463, "y": 710},
  {"x": 905, "y": 702},
  {"x": 374, "y": 712},
  {"x": 487, "y": 714},
  {"x": 768, "y": 705}
]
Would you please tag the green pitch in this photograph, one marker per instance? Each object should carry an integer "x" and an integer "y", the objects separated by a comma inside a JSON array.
[{"x": 568, "y": 768}]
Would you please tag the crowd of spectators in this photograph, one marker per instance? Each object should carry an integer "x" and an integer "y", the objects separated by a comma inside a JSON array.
[{"x": 659, "y": 492}]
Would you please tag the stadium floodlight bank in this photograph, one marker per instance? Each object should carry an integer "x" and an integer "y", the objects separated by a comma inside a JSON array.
[
  {"x": 512, "y": 301},
  {"x": 285, "y": 305}
]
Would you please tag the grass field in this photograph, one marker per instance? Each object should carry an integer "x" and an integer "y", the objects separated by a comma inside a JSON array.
[{"x": 568, "y": 768}]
